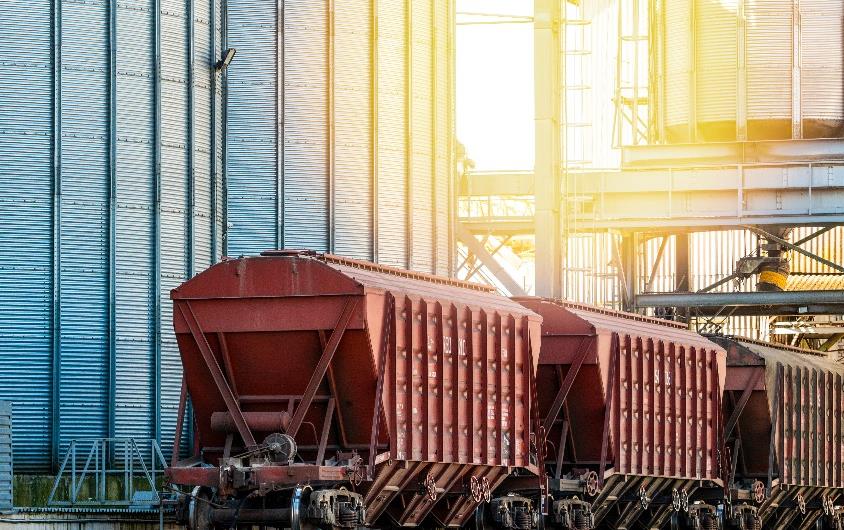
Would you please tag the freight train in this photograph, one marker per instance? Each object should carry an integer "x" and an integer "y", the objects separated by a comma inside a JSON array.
[{"x": 336, "y": 394}]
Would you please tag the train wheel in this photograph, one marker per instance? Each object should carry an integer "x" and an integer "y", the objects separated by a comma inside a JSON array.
[{"x": 199, "y": 509}]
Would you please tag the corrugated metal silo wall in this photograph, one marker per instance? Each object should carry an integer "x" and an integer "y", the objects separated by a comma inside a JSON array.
[
  {"x": 111, "y": 170},
  {"x": 769, "y": 62},
  {"x": 6, "y": 468},
  {"x": 339, "y": 129}
]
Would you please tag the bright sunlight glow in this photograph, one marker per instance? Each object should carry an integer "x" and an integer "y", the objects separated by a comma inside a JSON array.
[{"x": 495, "y": 119}]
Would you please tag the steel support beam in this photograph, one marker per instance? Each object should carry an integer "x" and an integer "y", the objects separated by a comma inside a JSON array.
[
  {"x": 751, "y": 303},
  {"x": 474, "y": 270},
  {"x": 740, "y": 299},
  {"x": 656, "y": 264},
  {"x": 232, "y": 405},
  {"x": 322, "y": 366},
  {"x": 548, "y": 96},
  {"x": 497, "y": 184},
  {"x": 795, "y": 248},
  {"x": 566, "y": 385},
  {"x": 830, "y": 342},
  {"x": 489, "y": 262},
  {"x": 682, "y": 281},
  {"x": 739, "y": 408}
]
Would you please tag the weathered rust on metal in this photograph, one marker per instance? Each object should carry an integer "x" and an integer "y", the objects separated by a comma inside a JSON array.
[
  {"x": 429, "y": 381},
  {"x": 792, "y": 421},
  {"x": 299, "y": 474},
  {"x": 650, "y": 388},
  {"x": 256, "y": 421},
  {"x": 180, "y": 420}
]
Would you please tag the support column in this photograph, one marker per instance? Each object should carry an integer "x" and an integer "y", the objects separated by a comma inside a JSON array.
[
  {"x": 682, "y": 278},
  {"x": 629, "y": 265},
  {"x": 548, "y": 97},
  {"x": 682, "y": 272}
]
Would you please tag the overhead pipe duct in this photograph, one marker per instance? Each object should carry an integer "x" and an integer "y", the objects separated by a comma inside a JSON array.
[{"x": 794, "y": 298}]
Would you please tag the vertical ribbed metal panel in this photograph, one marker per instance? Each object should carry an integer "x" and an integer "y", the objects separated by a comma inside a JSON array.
[
  {"x": 306, "y": 132},
  {"x": 442, "y": 140},
  {"x": 96, "y": 232},
  {"x": 392, "y": 133},
  {"x": 252, "y": 131},
  {"x": 25, "y": 234},
  {"x": 353, "y": 129},
  {"x": 84, "y": 366},
  {"x": 362, "y": 148},
  {"x": 204, "y": 128},
  {"x": 590, "y": 270},
  {"x": 6, "y": 468},
  {"x": 677, "y": 61},
  {"x": 776, "y": 89},
  {"x": 822, "y": 71},
  {"x": 176, "y": 248},
  {"x": 716, "y": 56},
  {"x": 6, "y": 492},
  {"x": 769, "y": 26},
  {"x": 135, "y": 218},
  {"x": 422, "y": 133}
]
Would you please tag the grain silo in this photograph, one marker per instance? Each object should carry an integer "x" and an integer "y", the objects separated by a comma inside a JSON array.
[
  {"x": 110, "y": 151},
  {"x": 749, "y": 69},
  {"x": 339, "y": 128}
]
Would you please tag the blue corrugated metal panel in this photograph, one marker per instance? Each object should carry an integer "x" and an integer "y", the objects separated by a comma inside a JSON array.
[
  {"x": 5, "y": 456},
  {"x": 83, "y": 377},
  {"x": 306, "y": 128},
  {"x": 252, "y": 113},
  {"x": 106, "y": 234},
  {"x": 361, "y": 126},
  {"x": 25, "y": 233},
  {"x": 134, "y": 380}
]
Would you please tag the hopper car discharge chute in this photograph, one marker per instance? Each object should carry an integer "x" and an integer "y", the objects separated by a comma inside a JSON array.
[
  {"x": 630, "y": 413},
  {"x": 334, "y": 393}
]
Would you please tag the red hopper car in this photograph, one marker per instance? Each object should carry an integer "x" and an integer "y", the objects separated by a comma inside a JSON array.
[
  {"x": 630, "y": 408},
  {"x": 334, "y": 393}
]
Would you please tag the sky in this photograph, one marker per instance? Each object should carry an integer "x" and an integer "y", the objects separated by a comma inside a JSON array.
[{"x": 495, "y": 85}]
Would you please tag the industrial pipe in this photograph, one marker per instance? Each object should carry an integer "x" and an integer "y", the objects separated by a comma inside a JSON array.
[
  {"x": 230, "y": 516},
  {"x": 796, "y": 298},
  {"x": 256, "y": 421}
]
